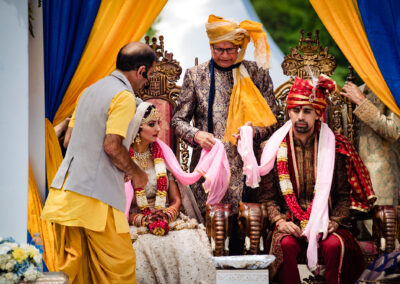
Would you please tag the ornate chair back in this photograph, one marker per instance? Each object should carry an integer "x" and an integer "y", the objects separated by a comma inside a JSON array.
[
  {"x": 163, "y": 92},
  {"x": 309, "y": 59}
]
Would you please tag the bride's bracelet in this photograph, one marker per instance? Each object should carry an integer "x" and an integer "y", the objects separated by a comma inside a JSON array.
[
  {"x": 139, "y": 220},
  {"x": 171, "y": 213}
]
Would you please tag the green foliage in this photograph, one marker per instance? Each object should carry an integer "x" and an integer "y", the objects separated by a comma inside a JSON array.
[
  {"x": 152, "y": 31},
  {"x": 285, "y": 18}
]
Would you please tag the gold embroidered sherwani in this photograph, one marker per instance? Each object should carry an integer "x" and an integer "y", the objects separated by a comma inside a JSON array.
[
  {"x": 193, "y": 103},
  {"x": 270, "y": 192},
  {"x": 379, "y": 146}
]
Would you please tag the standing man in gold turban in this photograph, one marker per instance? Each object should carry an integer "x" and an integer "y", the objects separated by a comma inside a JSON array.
[{"x": 223, "y": 94}]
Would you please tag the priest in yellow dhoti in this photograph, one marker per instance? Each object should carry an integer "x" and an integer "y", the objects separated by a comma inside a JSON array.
[
  {"x": 87, "y": 197},
  {"x": 223, "y": 94}
]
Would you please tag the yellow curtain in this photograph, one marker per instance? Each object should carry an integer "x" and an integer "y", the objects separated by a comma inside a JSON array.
[
  {"x": 117, "y": 23},
  {"x": 37, "y": 225},
  {"x": 343, "y": 21},
  {"x": 53, "y": 152}
]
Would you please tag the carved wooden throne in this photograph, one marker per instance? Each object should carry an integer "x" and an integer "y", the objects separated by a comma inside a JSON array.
[{"x": 163, "y": 92}]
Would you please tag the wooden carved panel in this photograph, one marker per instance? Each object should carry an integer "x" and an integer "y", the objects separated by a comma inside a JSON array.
[
  {"x": 217, "y": 227},
  {"x": 162, "y": 86},
  {"x": 308, "y": 58}
]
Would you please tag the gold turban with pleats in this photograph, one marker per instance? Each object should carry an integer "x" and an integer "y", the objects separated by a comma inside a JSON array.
[{"x": 246, "y": 102}]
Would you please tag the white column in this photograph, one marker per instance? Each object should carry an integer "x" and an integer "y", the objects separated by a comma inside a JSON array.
[
  {"x": 14, "y": 112},
  {"x": 37, "y": 155}
]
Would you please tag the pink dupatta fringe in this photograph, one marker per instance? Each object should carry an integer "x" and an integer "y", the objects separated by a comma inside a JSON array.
[
  {"x": 319, "y": 217},
  {"x": 213, "y": 165}
]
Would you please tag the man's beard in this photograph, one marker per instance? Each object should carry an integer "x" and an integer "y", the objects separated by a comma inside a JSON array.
[{"x": 301, "y": 129}]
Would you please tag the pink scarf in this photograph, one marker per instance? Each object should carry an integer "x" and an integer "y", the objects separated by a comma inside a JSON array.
[
  {"x": 213, "y": 166},
  {"x": 319, "y": 217}
]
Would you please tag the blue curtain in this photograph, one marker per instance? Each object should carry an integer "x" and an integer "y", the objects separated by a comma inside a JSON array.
[
  {"x": 66, "y": 28},
  {"x": 381, "y": 21}
]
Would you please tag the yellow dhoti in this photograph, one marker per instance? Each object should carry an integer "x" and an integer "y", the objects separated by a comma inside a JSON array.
[{"x": 95, "y": 257}]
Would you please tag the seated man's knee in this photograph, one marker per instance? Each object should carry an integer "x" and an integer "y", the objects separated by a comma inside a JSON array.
[
  {"x": 290, "y": 244},
  {"x": 331, "y": 244}
]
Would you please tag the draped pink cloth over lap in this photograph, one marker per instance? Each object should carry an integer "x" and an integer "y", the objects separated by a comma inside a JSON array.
[
  {"x": 213, "y": 165},
  {"x": 319, "y": 217}
]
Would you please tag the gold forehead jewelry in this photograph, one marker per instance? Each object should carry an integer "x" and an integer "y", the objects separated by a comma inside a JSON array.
[{"x": 152, "y": 116}]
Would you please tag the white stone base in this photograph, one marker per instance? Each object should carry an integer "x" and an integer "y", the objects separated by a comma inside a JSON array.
[{"x": 242, "y": 276}]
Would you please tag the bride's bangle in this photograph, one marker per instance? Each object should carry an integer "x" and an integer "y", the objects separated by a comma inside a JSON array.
[
  {"x": 171, "y": 213},
  {"x": 138, "y": 219}
]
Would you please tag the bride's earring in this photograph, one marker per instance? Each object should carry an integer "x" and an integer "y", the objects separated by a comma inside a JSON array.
[{"x": 137, "y": 139}]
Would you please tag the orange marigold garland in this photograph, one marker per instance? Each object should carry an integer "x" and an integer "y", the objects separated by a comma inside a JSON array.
[{"x": 287, "y": 187}]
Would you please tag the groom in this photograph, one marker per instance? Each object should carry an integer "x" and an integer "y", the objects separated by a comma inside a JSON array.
[{"x": 289, "y": 190}]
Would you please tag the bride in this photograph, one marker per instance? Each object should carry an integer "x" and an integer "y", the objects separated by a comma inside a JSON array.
[{"x": 170, "y": 247}]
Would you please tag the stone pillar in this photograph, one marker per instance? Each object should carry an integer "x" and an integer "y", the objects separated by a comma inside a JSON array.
[{"x": 14, "y": 118}]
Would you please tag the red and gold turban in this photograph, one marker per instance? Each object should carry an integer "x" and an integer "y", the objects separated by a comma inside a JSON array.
[{"x": 303, "y": 92}]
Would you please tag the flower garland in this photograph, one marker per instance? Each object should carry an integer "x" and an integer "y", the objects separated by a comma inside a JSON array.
[
  {"x": 287, "y": 187},
  {"x": 158, "y": 227},
  {"x": 161, "y": 174}
]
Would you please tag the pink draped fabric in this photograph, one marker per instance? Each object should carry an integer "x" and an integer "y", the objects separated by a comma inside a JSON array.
[
  {"x": 245, "y": 148},
  {"x": 128, "y": 197},
  {"x": 319, "y": 217},
  {"x": 213, "y": 166}
]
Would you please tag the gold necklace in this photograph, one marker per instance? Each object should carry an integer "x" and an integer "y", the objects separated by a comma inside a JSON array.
[{"x": 144, "y": 159}]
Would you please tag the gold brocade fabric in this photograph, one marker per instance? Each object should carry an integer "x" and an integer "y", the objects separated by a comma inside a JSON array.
[
  {"x": 305, "y": 165},
  {"x": 246, "y": 101},
  {"x": 270, "y": 193},
  {"x": 379, "y": 146},
  {"x": 193, "y": 103}
]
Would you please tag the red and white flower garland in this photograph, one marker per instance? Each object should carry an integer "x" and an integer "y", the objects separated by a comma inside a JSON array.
[
  {"x": 287, "y": 187},
  {"x": 161, "y": 174}
]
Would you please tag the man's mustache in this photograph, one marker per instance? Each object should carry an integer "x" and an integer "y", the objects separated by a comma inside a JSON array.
[{"x": 300, "y": 121}]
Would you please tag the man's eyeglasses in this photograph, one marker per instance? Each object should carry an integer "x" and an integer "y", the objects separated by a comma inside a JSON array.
[{"x": 220, "y": 51}]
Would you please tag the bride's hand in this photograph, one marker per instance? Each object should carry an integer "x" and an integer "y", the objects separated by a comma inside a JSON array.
[
  {"x": 157, "y": 215},
  {"x": 162, "y": 215}
]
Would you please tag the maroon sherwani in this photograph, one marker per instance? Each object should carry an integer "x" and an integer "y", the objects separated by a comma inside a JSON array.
[{"x": 339, "y": 247}]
